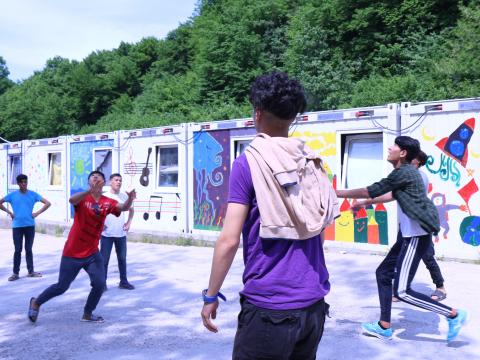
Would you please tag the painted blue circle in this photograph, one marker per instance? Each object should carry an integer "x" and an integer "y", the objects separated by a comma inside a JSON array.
[
  {"x": 457, "y": 148},
  {"x": 464, "y": 133}
]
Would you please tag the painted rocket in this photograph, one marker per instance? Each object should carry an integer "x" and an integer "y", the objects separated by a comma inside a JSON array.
[{"x": 456, "y": 144}]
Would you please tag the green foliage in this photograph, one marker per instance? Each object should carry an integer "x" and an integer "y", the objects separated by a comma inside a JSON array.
[
  {"x": 325, "y": 74},
  {"x": 5, "y": 82},
  {"x": 346, "y": 53},
  {"x": 460, "y": 63}
]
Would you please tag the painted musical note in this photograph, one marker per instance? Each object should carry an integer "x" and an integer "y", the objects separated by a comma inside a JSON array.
[
  {"x": 133, "y": 168},
  {"x": 158, "y": 213},
  {"x": 177, "y": 203}
]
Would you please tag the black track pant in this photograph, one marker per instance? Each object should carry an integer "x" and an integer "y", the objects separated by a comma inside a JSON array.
[{"x": 400, "y": 265}]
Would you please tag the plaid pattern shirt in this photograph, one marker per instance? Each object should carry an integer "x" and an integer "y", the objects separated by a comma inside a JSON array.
[{"x": 407, "y": 188}]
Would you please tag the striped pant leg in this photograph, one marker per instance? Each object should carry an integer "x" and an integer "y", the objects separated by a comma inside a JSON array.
[
  {"x": 413, "y": 250},
  {"x": 385, "y": 274}
]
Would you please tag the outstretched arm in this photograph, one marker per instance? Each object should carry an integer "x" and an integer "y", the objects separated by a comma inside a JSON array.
[
  {"x": 360, "y": 193},
  {"x": 225, "y": 249},
  {"x": 127, "y": 204},
  {"x": 379, "y": 199}
]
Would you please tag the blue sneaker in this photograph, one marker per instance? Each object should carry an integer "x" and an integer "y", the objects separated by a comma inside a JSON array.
[
  {"x": 455, "y": 324},
  {"x": 375, "y": 330}
]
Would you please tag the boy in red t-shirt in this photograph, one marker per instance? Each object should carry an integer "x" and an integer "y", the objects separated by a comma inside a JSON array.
[{"x": 81, "y": 248}]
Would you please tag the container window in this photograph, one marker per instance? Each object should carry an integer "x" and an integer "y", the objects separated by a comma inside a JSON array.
[
  {"x": 362, "y": 160},
  {"x": 55, "y": 169},
  {"x": 167, "y": 160}
]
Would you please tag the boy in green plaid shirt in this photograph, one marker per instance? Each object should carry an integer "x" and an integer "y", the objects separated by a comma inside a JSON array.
[{"x": 418, "y": 219}]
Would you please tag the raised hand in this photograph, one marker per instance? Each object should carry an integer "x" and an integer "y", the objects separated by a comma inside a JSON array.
[{"x": 132, "y": 195}]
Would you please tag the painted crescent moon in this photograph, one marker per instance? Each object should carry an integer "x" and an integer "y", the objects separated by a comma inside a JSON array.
[
  {"x": 427, "y": 137},
  {"x": 475, "y": 155}
]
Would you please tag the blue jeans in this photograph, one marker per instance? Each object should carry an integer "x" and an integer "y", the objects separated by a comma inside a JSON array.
[
  {"x": 18, "y": 234},
  {"x": 69, "y": 269},
  {"x": 106, "y": 244}
]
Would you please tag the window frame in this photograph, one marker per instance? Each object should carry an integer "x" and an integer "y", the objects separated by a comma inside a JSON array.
[
  {"x": 50, "y": 168},
  {"x": 12, "y": 181},
  {"x": 162, "y": 188},
  {"x": 346, "y": 140},
  {"x": 94, "y": 162},
  {"x": 234, "y": 150}
]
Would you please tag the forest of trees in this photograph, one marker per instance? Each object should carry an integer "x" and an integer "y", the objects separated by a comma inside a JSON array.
[{"x": 346, "y": 53}]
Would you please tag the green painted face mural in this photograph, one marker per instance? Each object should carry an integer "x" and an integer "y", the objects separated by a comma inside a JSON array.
[
  {"x": 381, "y": 217},
  {"x": 361, "y": 229},
  {"x": 79, "y": 167}
]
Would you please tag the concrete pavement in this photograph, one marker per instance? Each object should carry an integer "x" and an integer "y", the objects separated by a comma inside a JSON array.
[{"x": 160, "y": 318}]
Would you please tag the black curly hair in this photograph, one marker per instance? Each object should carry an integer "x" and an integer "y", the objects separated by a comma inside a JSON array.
[
  {"x": 96, "y": 172},
  {"x": 21, "y": 177},
  {"x": 411, "y": 145},
  {"x": 278, "y": 94},
  {"x": 422, "y": 158}
]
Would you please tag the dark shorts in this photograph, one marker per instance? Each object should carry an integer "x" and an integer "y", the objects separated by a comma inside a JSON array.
[{"x": 279, "y": 334}]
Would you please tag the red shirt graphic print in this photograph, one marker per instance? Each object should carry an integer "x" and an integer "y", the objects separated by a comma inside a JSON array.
[{"x": 88, "y": 225}]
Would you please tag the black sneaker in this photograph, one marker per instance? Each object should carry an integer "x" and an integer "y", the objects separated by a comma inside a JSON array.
[
  {"x": 34, "y": 274},
  {"x": 13, "y": 277},
  {"x": 92, "y": 318},
  {"x": 126, "y": 286},
  {"x": 32, "y": 312}
]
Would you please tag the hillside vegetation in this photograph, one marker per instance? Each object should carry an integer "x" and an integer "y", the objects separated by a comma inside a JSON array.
[{"x": 346, "y": 53}]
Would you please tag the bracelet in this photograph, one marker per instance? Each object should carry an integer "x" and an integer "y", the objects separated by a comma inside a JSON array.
[{"x": 212, "y": 299}]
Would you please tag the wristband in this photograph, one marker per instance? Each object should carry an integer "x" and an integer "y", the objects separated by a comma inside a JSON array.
[{"x": 212, "y": 299}]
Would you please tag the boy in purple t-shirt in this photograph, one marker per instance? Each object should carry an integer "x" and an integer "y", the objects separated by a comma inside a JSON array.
[{"x": 285, "y": 281}]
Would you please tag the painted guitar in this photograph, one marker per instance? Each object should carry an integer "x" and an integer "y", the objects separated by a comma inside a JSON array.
[{"x": 145, "y": 171}]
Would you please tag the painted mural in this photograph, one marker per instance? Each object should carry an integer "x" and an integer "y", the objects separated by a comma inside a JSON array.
[
  {"x": 323, "y": 143},
  {"x": 211, "y": 168},
  {"x": 159, "y": 206},
  {"x": 449, "y": 163},
  {"x": 369, "y": 225},
  {"x": 36, "y": 167},
  {"x": 133, "y": 168},
  {"x": 81, "y": 163},
  {"x": 440, "y": 202}
]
